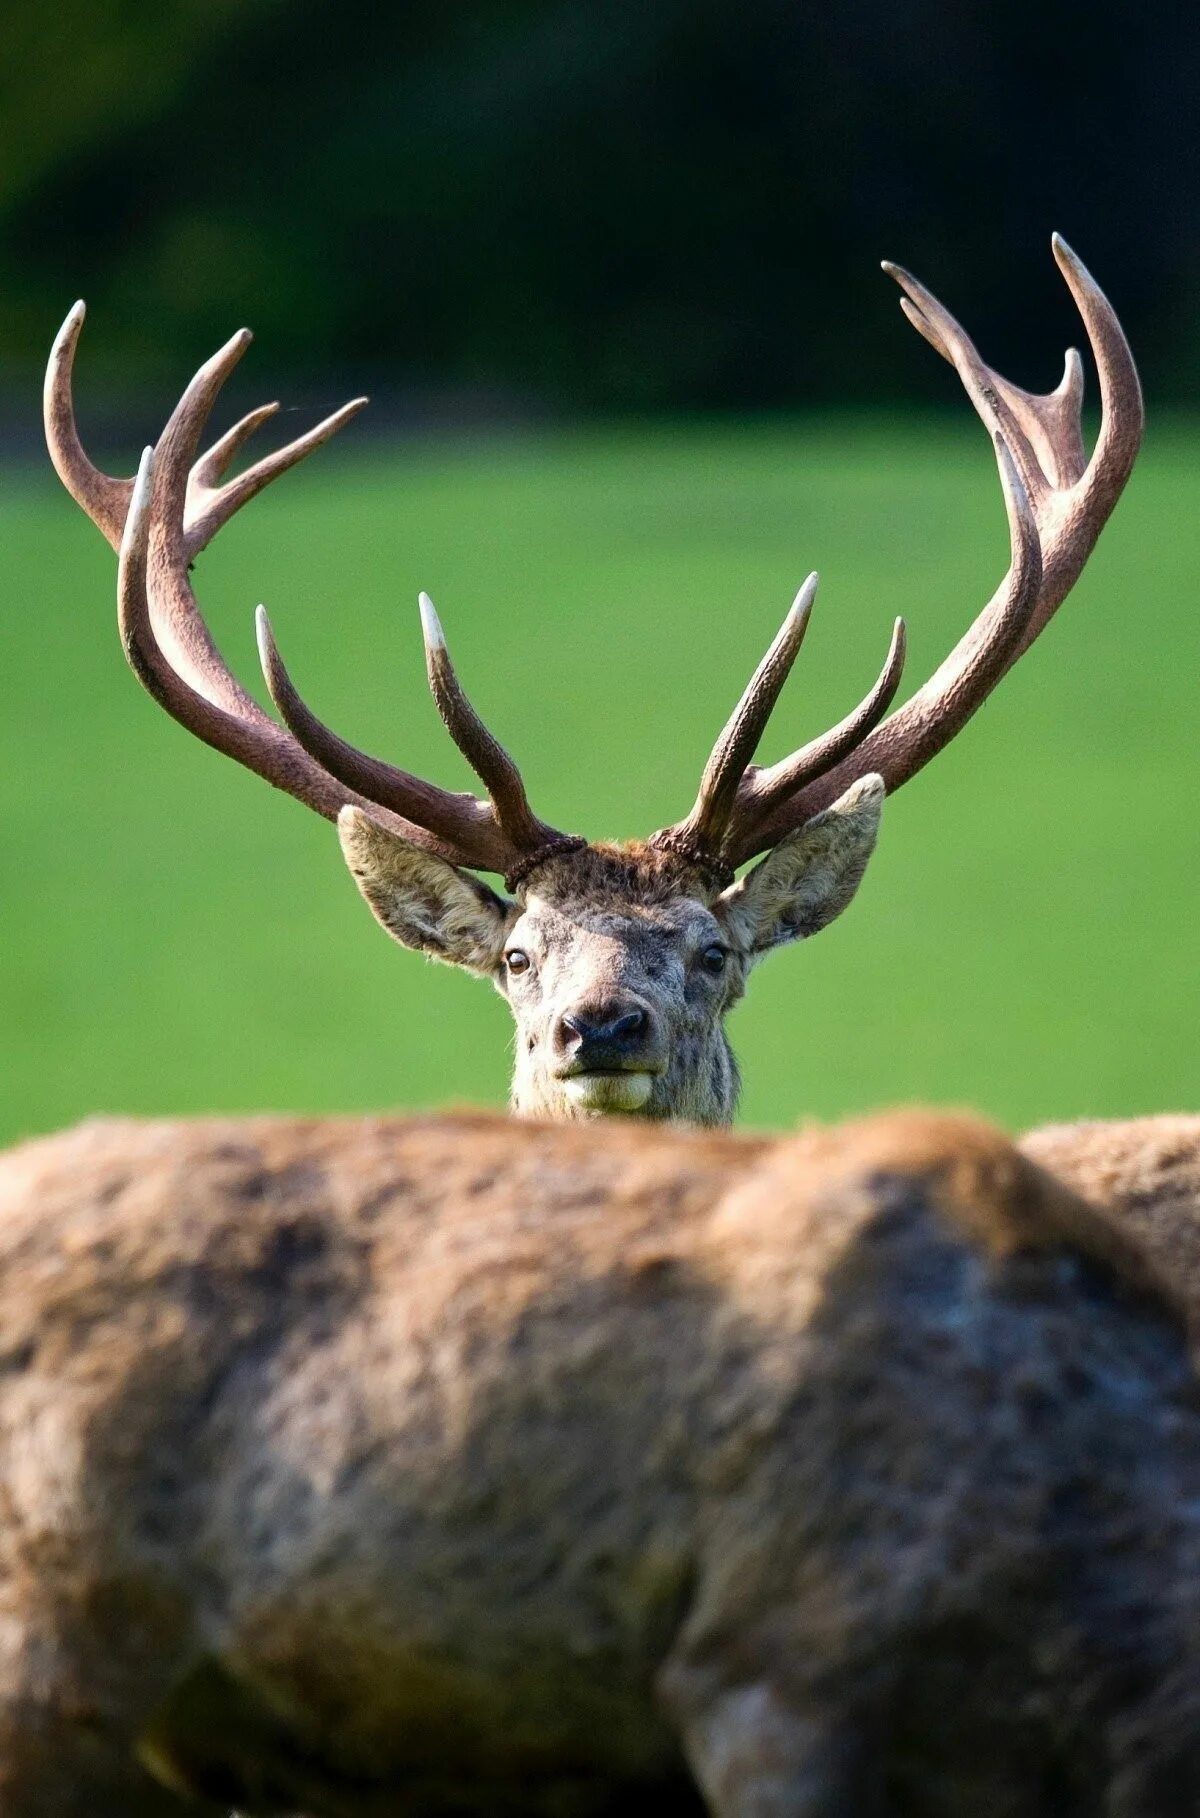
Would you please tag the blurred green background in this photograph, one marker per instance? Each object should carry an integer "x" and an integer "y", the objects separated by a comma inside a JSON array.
[
  {"x": 611, "y": 282},
  {"x": 178, "y": 936}
]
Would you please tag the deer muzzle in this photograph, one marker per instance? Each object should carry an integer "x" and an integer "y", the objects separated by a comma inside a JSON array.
[{"x": 609, "y": 1056}]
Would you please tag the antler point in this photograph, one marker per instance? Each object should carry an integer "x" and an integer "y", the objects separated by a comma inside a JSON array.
[
  {"x": 431, "y": 625},
  {"x": 145, "y": 474},
  {"x": 136, "y": 522},
  {"x": 1065, "y": 255},
  {"x": 805, "y": 596},
  {"x": 264, "y": 637},
  {"x": 72, "y": 322}
]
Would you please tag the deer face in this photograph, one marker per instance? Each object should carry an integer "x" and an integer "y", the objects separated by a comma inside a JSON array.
[
  {"x": 619, "y": 963},
  {"x": 618, "y": 984}
]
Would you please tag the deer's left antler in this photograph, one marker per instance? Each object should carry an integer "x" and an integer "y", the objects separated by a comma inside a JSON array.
[{"x": 1057, "y": 501}]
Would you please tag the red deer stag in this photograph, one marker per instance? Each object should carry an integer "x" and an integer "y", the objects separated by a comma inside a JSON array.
[
  {"x": 461, "y": 1466},
  {"x": 619, "y": 961}
]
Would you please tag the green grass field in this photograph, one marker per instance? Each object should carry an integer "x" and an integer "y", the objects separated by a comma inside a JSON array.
[{"x": 174, "y": 936}]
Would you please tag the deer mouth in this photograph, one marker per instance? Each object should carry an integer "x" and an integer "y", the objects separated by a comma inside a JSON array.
[{"x": 609, "y": 1089}]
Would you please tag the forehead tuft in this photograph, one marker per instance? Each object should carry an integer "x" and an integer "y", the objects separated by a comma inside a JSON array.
[{"x": 604, "y": 876}]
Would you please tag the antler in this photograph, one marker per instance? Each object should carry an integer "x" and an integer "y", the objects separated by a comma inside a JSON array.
[
  {"x": 733, "y": 787},
  {"x": 208, "y": 505},
  {"x": 502, "y": 834},
  {"x": 159, "y": 522},
  {"x": 1057, "y": 503}
]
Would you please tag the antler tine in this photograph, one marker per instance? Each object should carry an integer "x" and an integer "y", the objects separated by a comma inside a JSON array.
[
  {"x": 102, "y": 496},
  {"x": 929, "y": 719},
  {"x": 482, "y": 750},
  {"x": 1123, "y": 413},
  {"x": 1072, "y": 496},
  {"x": 461, "y": 820},
  {"x": 210, "y": 506},
  {"x": 702, "y": 833},
  {"x": 214, "y": 464},
  {"x": 196, "y": 710},
  {"x": 255, "y": 741},
  {"x": 1043, "y": 432},
  {"x": 105, "y": 498},
  {"x": 763, "y": 789},
  {"x": 178, "y": 624}
]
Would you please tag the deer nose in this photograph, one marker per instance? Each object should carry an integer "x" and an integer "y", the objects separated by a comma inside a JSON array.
[
  {"x": 618, "y": 1028},
  {"x": 604, "y": 1036}
]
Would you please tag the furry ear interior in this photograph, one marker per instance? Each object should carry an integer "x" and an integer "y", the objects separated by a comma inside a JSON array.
[
  {"x": 421, "y": 900},
  {"x": 810, "y": 877}
]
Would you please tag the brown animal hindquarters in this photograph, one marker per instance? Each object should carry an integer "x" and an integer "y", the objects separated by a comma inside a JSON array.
[{"x": 451, "y": 1466}]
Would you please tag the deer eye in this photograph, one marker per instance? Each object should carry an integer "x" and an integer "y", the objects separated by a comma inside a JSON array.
[
  {"x": 713, "y": 960},
  {"x": 517, "y": 960}
]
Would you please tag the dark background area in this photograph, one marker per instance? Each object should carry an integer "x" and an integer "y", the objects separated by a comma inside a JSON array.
[{"x": 523, "y": 206}]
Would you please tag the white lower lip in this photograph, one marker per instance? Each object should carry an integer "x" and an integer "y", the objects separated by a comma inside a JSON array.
[{"x": 608, "y": 1091}]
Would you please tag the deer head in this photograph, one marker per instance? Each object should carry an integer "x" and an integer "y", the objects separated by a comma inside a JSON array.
[{"x": 619, "y": 962}]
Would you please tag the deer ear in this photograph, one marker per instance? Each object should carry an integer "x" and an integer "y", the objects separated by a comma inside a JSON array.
[
  {"x": 810, "y": 877},
  {"x": 421, "y": 900}
]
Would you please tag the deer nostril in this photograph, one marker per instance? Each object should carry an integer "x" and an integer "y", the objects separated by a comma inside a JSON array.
[
  {"x": 601, "y": 1029},
  {"x": 573, "y": 1035}
]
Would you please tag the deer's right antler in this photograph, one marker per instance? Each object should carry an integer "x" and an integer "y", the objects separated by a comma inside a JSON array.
[{"x": 159, "y": 522}]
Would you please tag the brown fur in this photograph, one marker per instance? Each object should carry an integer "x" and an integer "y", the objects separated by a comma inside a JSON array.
[
  {"x": 451, "y": 1465},
  {"x": 643, "y": 875},
  {"x": 1145, "y": 1171}
]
